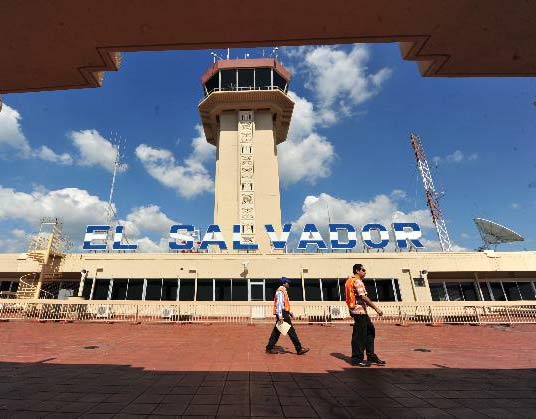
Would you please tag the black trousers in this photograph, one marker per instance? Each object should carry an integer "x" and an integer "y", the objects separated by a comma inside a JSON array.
[
  {"x": 362, "y": 336},
  {"x": 274, "y": 337}
]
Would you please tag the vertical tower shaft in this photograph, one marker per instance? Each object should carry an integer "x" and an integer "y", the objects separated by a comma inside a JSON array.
[{"x": 245, "y": 123}]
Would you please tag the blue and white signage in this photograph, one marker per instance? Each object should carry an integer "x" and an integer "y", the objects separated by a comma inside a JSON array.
[{"x": 341, "y": 236}]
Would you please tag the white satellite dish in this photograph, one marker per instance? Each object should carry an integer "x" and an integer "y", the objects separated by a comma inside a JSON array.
[{"x": 493, "y": 233}]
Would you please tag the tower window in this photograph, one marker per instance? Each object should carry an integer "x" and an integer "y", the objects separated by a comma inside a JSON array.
[
  {"x": 212, "y": 83},
  {"x": 263, "y": 78},
  {"x": 228, "y": 79},
  {"x": 246, "y": 78},
  {"x": 279, "y": 81}
]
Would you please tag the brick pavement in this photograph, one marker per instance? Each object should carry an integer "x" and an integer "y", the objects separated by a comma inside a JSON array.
[{"x": 125, "y": 370}]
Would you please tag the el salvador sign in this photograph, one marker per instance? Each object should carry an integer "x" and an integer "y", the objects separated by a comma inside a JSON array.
[{"x": 406, "y": 235}]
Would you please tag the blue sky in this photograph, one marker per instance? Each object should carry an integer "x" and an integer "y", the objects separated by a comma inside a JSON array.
[{"x": 348, "y": 147}]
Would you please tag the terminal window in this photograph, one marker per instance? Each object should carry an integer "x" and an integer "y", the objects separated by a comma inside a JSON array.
[
  {"x": 187, "y": 290},
  {"x": 169, "y": 289},
  {"x": 153, "y": 290},
  {"x": 102, "y": 287},
  {"x": 486, "y": 291},
  {"x": 119, "y": 289}
]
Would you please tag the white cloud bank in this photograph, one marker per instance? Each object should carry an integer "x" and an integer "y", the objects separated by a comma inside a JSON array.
[
  {"x": 77, "y": 208},
  {"x": 456, "y": 157},
  {"x": 188, "y": 179},
  {"x": 13, "y": 142},
  {"x": 12, "y": 138},
  {"x": 382, "y": 209},
  {"x": 93, "y": 149},
  {"x": 339, "y": 81},
  {"x": 305, "y": 155}
]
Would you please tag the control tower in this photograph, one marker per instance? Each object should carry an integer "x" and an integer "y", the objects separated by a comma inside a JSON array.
[{"x": 246, "y": 113}]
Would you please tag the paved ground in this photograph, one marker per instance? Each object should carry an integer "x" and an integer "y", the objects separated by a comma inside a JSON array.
[{"x": 120, "y": 370}]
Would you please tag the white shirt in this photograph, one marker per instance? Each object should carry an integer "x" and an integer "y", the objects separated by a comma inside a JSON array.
[{"x": 280, "y": 304}]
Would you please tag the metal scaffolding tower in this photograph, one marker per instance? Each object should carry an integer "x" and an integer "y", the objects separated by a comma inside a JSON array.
[{"x": 432, "y": 197}]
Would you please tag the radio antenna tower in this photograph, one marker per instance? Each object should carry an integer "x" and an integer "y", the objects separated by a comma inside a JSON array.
[
  {"x": 432, "y": 197},
  {"x": 119, "y": 145}
]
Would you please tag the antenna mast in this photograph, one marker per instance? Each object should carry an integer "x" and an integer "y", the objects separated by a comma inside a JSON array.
[
  {"x": 119, "y": 145},
  {"x": 117, "y": 162},
  {"x": 432, "y": 197}
]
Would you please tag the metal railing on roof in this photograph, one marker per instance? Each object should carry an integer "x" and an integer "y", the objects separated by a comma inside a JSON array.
[{"x": 261, "y": 312}]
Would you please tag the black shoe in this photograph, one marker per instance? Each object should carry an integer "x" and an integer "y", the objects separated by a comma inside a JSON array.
[
  {"x": 272, "y": 351},
  {"x": 360, "y": 363},
  {"x": 303, "y": 351},
  {"x": 373, "y": 359}
]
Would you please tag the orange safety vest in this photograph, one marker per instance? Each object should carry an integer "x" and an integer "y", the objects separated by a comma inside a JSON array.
[
  {"x": 285, "y": 296},
  {"x": 349, "y": 288}
]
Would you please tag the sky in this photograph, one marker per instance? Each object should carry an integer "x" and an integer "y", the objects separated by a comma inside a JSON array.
[{"x": 347, "y": 157}]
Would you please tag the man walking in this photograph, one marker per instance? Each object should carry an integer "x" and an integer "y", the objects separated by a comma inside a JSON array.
[
  {"x": 364, "y": 332},
  {"x": 282, "y": 313}
]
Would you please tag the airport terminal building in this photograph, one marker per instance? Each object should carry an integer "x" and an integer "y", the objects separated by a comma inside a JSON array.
[{"x": 246, "y": 113}]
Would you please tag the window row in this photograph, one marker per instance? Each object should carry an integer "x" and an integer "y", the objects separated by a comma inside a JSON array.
[
  {"x": 231, "y": 289},
  {"x": 245, "y": 78},
  {"x": 9, "y": 285},
  {"x": 485, "y": 291}
]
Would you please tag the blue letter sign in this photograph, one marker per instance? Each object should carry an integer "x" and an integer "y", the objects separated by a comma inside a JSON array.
[
  {"x": 367, "y": 236},
  {"x": 402, "y": 235},
  {"x": 186, "y": 241},
  {"x": 96, "y": 233}
]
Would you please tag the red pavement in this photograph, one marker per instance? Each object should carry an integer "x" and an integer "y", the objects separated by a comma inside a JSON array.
[{"x": 126, "y": 370}]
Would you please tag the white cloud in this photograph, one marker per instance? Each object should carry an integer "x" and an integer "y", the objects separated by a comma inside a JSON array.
[
  {"x": 456, "y": 157},
  {"x": 149, "y": 227},
  {"x": 304, "y": 119},
  {"x": 94, "y": 150},
  {"x": 515, "y": 205},
  {"x": 45, "y": 153},
  {"x": 309, "y": 159},
  {"x": 146, "y": 245},
  {"x": 381, "y": 209},
  {"x": 145, "y": 219},
  {"x": 189, "y": 179},
  {"x": 203, "y": 151},
  {"x": 75, "y": 207},
  {"x": 339, "y": 80},
  {"x": 13, "y": 140},
  {"x": 305, "y": 155},
  {"x": 16, "y": 241},
  {"x": 11, "y": 136},
  {"x": 398, "y": 194}
]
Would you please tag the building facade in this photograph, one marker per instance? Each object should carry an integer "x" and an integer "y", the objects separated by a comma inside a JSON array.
[{"x": 246, "y": 113}]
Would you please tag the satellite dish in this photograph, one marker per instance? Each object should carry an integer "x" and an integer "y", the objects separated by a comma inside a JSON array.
[{"x": 494, "y": 234}]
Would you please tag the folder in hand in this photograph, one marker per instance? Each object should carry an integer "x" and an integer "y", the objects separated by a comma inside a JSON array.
[{"x": 283, "y": 328}]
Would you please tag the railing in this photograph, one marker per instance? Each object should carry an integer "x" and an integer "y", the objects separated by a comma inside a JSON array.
[
  {"x": 200, "y": 312},
  {"x": 243, "y": 89}
]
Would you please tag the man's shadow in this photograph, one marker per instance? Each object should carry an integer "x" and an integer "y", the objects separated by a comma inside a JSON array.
[{"x": 342, "y": 357}]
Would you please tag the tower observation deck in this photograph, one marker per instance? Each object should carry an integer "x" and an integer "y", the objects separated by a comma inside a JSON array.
[{"x": 246, "y": 113}]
